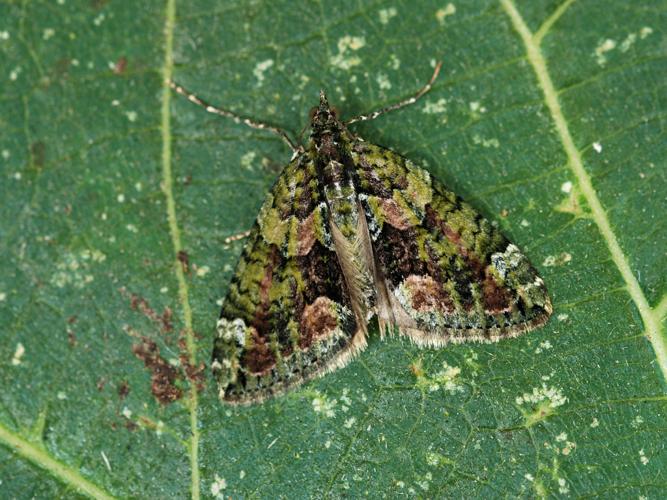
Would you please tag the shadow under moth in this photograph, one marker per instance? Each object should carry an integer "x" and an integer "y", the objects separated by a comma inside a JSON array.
[{"x": 349, "y": 231}]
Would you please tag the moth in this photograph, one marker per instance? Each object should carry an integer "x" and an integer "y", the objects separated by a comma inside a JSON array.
[{"x": 351, "y": 231}]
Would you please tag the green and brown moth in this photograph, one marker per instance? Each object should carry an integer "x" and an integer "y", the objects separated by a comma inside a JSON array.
[{"x": 349, "y": 231}]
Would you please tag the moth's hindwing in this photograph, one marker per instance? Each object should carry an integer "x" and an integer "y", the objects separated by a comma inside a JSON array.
[
  {"x": 287, "y": 316},
  {"x": 451, "y": 276}
]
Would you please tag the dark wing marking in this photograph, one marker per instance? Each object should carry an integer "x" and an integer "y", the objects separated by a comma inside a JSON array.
[
  {"x": 287, "y": 316},
  {"x": 450, "y": 274}
]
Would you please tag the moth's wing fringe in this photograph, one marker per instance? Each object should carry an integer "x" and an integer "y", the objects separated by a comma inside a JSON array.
[
  {"x": 423, "y": 338},
  {"x": 342, "y": 358}
]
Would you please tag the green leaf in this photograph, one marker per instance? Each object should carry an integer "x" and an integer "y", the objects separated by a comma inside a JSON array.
[{"x": 548, "y": 117}]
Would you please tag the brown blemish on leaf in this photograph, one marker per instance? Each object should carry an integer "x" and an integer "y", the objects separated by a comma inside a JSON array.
[
  {"x": 120, "y": 66},
  {"x": 130, "y": 425},
  {"x": 184, "y": 259},
  {"x": 163, "y": 375},
  {"x": 100, "y": 384},
  {"x": 195, "y": 374},
  {"x": 123, "y": 389},
  {"x": 318, "y": 320},
  {"x": 417, "y": 369},
  {"x": 140, "y": 304},
  {"x": 71, "y": 337}
]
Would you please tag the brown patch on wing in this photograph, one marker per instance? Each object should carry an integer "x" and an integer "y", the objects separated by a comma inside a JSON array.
[
  {"x": 306, "y": 235},
  {"x": 262, "y": 315},
  {"x": 427, "y": 295},
  {"x": 394, "y": 214},
  {"x": 496, "y": 297},
  {"x": 318, "y": 320},
  {"x": 258, "y": 357}
]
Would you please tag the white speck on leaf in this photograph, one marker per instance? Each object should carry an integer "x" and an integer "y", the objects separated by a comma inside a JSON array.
[
  {"x": 343, "y": 59},
  {"x": 120, "y": 198},
  {"x": 99, "y": 19},
  {"x": 203, "y": 271},
  {"x": 248, "y": 159},
  {"x": 383, "y": 81},
  {"x": 260, "y": 69},
  {"x": 4, "y": 35},
  {"x": 395, "y": 62},
  {"x": 18, "y": 354},
  {"x": 132, "y": 228},
  {"x": 552, "y": 395},
  {"x": 349, "y": 422},
  {"x": 628, "y": 42},
  {"x": 131, "y": 115},
  {"x": 602, "y": 48},
  {"x": 448, "y": 10},
  {"x": 48, "y": 33},
  {"x": 563, "y": 317},
  {"x": 387, "y": 14},
  {"x": 566, "y": 187},
  {"x": 127, "y": 413},
  {"x": 645, "y": 31},
  {"x": 544, "y": 346},
  {"x": 5, "y": 154},
  {"x": 594, "y": 423},
  {"x": 487, "y": 143},
  {"x": 61, "y": 395},
  {"x": 437, "y": 107},
  {"x": 217, "y": 486},
  {"x": 557, "y": 260},
  {"x": 324, "y": 406},
  {"x": 597, "y": 147}
]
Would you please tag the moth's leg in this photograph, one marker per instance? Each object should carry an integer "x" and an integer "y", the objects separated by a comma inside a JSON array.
[
  {"x": 398, "y": 105},
  {"x": 238, "y": 119}
]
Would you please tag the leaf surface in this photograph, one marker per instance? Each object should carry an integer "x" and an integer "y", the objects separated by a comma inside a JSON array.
[{"x": 118, "y": 197}]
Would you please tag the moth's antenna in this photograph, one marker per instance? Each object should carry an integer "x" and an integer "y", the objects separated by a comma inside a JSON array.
[
  {"x": 230, "y": 114},
  {"x": 399, "y": 105}
]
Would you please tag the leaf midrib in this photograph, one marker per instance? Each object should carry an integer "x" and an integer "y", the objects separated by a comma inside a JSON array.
[{"x": 651, "y": 317}]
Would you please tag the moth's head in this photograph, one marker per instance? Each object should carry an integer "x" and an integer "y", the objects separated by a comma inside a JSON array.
[{"x": 324, "y": 118}]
